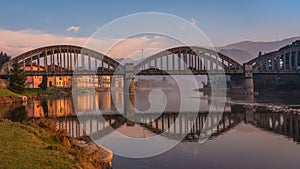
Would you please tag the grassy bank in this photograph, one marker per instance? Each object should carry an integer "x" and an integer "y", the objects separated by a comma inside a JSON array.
[
  {"x": 27, "y": 92},
  {"x": 6, "y": 92},
  {"x": 23, "y": 146},
  {"x": 38, "y": 144},
  {"x": 9, "y": 97}
]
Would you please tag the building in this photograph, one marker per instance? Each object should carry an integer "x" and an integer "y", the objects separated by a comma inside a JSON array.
[
  {"x": 117, "y": 82},
  {"x": 113, "y": 82},
  {"x": 52, "y": 81},
  {"x": 104, "y": 81},
  {"x": 59, "y": 81},
  {"x": 85, "y": 81},
  {"x": 33, "y": 81}
]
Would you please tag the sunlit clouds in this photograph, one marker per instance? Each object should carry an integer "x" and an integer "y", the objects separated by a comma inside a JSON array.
[
  {"x": 17, "y": 42},
  {"x": 73, "y": 29}
]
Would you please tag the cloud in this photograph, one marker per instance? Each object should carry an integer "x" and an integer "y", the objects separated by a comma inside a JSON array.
[
  {"x": 17, "y": 42},
  {"x": 193, "y": 21},
  {"x": 133, "y": 46},
  {"x": 73, "y": 28}
]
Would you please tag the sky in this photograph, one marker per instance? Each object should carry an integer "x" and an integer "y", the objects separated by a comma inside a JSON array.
[{"x": 25, "y": 25}]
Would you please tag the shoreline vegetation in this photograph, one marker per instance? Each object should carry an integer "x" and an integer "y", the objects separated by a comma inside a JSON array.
[
  {"x": 37, "y": 144},
  {"x": 8, "y": 97},
  {"x": 22, "y": 143}
]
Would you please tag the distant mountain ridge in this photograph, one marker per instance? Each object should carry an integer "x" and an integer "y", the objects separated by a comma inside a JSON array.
[
  {"x": 238, "y": 55},
  {"x": 242, "y": 51},
  {"x": 247, "y": 50}
]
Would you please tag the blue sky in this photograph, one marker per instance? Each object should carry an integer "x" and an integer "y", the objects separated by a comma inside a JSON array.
[{"x": 223, "y": 21}]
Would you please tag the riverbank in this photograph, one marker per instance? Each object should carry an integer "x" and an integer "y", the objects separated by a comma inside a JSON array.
[
  {"x": 39, "y": 145},
  {"x": 8, "y": 97},
  {"x": 266, "y": 107}
]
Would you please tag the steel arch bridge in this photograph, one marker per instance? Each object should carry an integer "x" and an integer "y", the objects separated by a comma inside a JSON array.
[
  {"x": 61, "y": 60},
  {"x": 64, "y": 60},
  {"x": 67, "y": 59},
  {"x": 284, "y": 61},
  {"x": 188, "y": 60}
]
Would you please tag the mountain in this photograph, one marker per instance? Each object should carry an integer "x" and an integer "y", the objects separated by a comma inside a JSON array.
[
  {"x": 246, "y": 50},
  {"x": 127, "y": 60},
  {"x": 238, "y": 55},
  {"x": 242, "y": 52}
]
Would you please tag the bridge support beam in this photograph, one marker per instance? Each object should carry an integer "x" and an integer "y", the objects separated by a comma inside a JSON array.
[
  {"x": 241, "y": 85},
  {"x": 129, "y": 93}
]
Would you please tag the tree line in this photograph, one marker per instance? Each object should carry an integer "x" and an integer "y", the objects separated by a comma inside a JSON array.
[
  {"x": 4, "y": 57},
  {"x": 17, "y": 78}
]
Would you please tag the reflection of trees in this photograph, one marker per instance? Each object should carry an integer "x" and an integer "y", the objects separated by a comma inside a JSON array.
[
  {"x": 43, "y": 84},
  {"x": 18, "y": 114},
  {"x": 45, "y": 107}
]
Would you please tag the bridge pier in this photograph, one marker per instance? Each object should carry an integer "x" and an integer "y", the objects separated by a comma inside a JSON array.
[
  {"x": 241, "y": 85},
  {"x": 129, "y": 94}
]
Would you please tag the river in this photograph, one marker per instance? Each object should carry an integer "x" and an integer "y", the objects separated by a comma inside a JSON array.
[{"x": 243, "y": 136}]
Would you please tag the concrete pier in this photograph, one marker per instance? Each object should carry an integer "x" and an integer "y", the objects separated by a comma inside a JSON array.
[
  {"x": 129, "y": 93},
  {"x": 241, "y": 85}
]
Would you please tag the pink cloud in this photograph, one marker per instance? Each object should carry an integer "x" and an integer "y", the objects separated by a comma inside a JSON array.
[{"x": 17, "y": 42}]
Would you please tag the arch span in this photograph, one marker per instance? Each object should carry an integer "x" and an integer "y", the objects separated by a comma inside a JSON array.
[
  {"x": 64, "y": 59},
  {"x": 184, "y": 60},
  {"x": 285, "y": 60}
]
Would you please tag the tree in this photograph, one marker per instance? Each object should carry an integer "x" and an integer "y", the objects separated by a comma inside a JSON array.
[
  {"x": 43, "y": 84},
  {"x": 17, "y": 79},
  {"x": 18, "y": 114},
  {"x": 3, "y": 58}
]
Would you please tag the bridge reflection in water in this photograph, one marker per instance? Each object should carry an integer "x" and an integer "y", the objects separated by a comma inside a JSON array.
[
  {"x": 187, "y": 128},
  {"x": 171, "y": 125}
]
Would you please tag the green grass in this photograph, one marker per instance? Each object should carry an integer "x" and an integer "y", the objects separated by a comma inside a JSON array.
[
  {"x": 22, "y": 146},
  {"x": 6, "y": 92},
  {"x": 27, "y": 92}
]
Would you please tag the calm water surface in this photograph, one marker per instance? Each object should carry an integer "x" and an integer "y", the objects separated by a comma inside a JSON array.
[{"x": 243, "y": 138}]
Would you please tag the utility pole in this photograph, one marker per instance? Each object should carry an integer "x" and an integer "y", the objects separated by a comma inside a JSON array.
[{"x": 142, "y": 50}]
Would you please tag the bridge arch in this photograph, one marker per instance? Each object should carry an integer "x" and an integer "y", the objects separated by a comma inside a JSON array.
[
  {"x": 185, "y": 59},
  {"x": 64, "y": 59},
  {"x": 285, "y": 60}
]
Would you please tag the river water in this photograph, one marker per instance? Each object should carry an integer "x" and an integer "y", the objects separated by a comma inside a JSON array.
[{"x": 241, "y": 137}]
